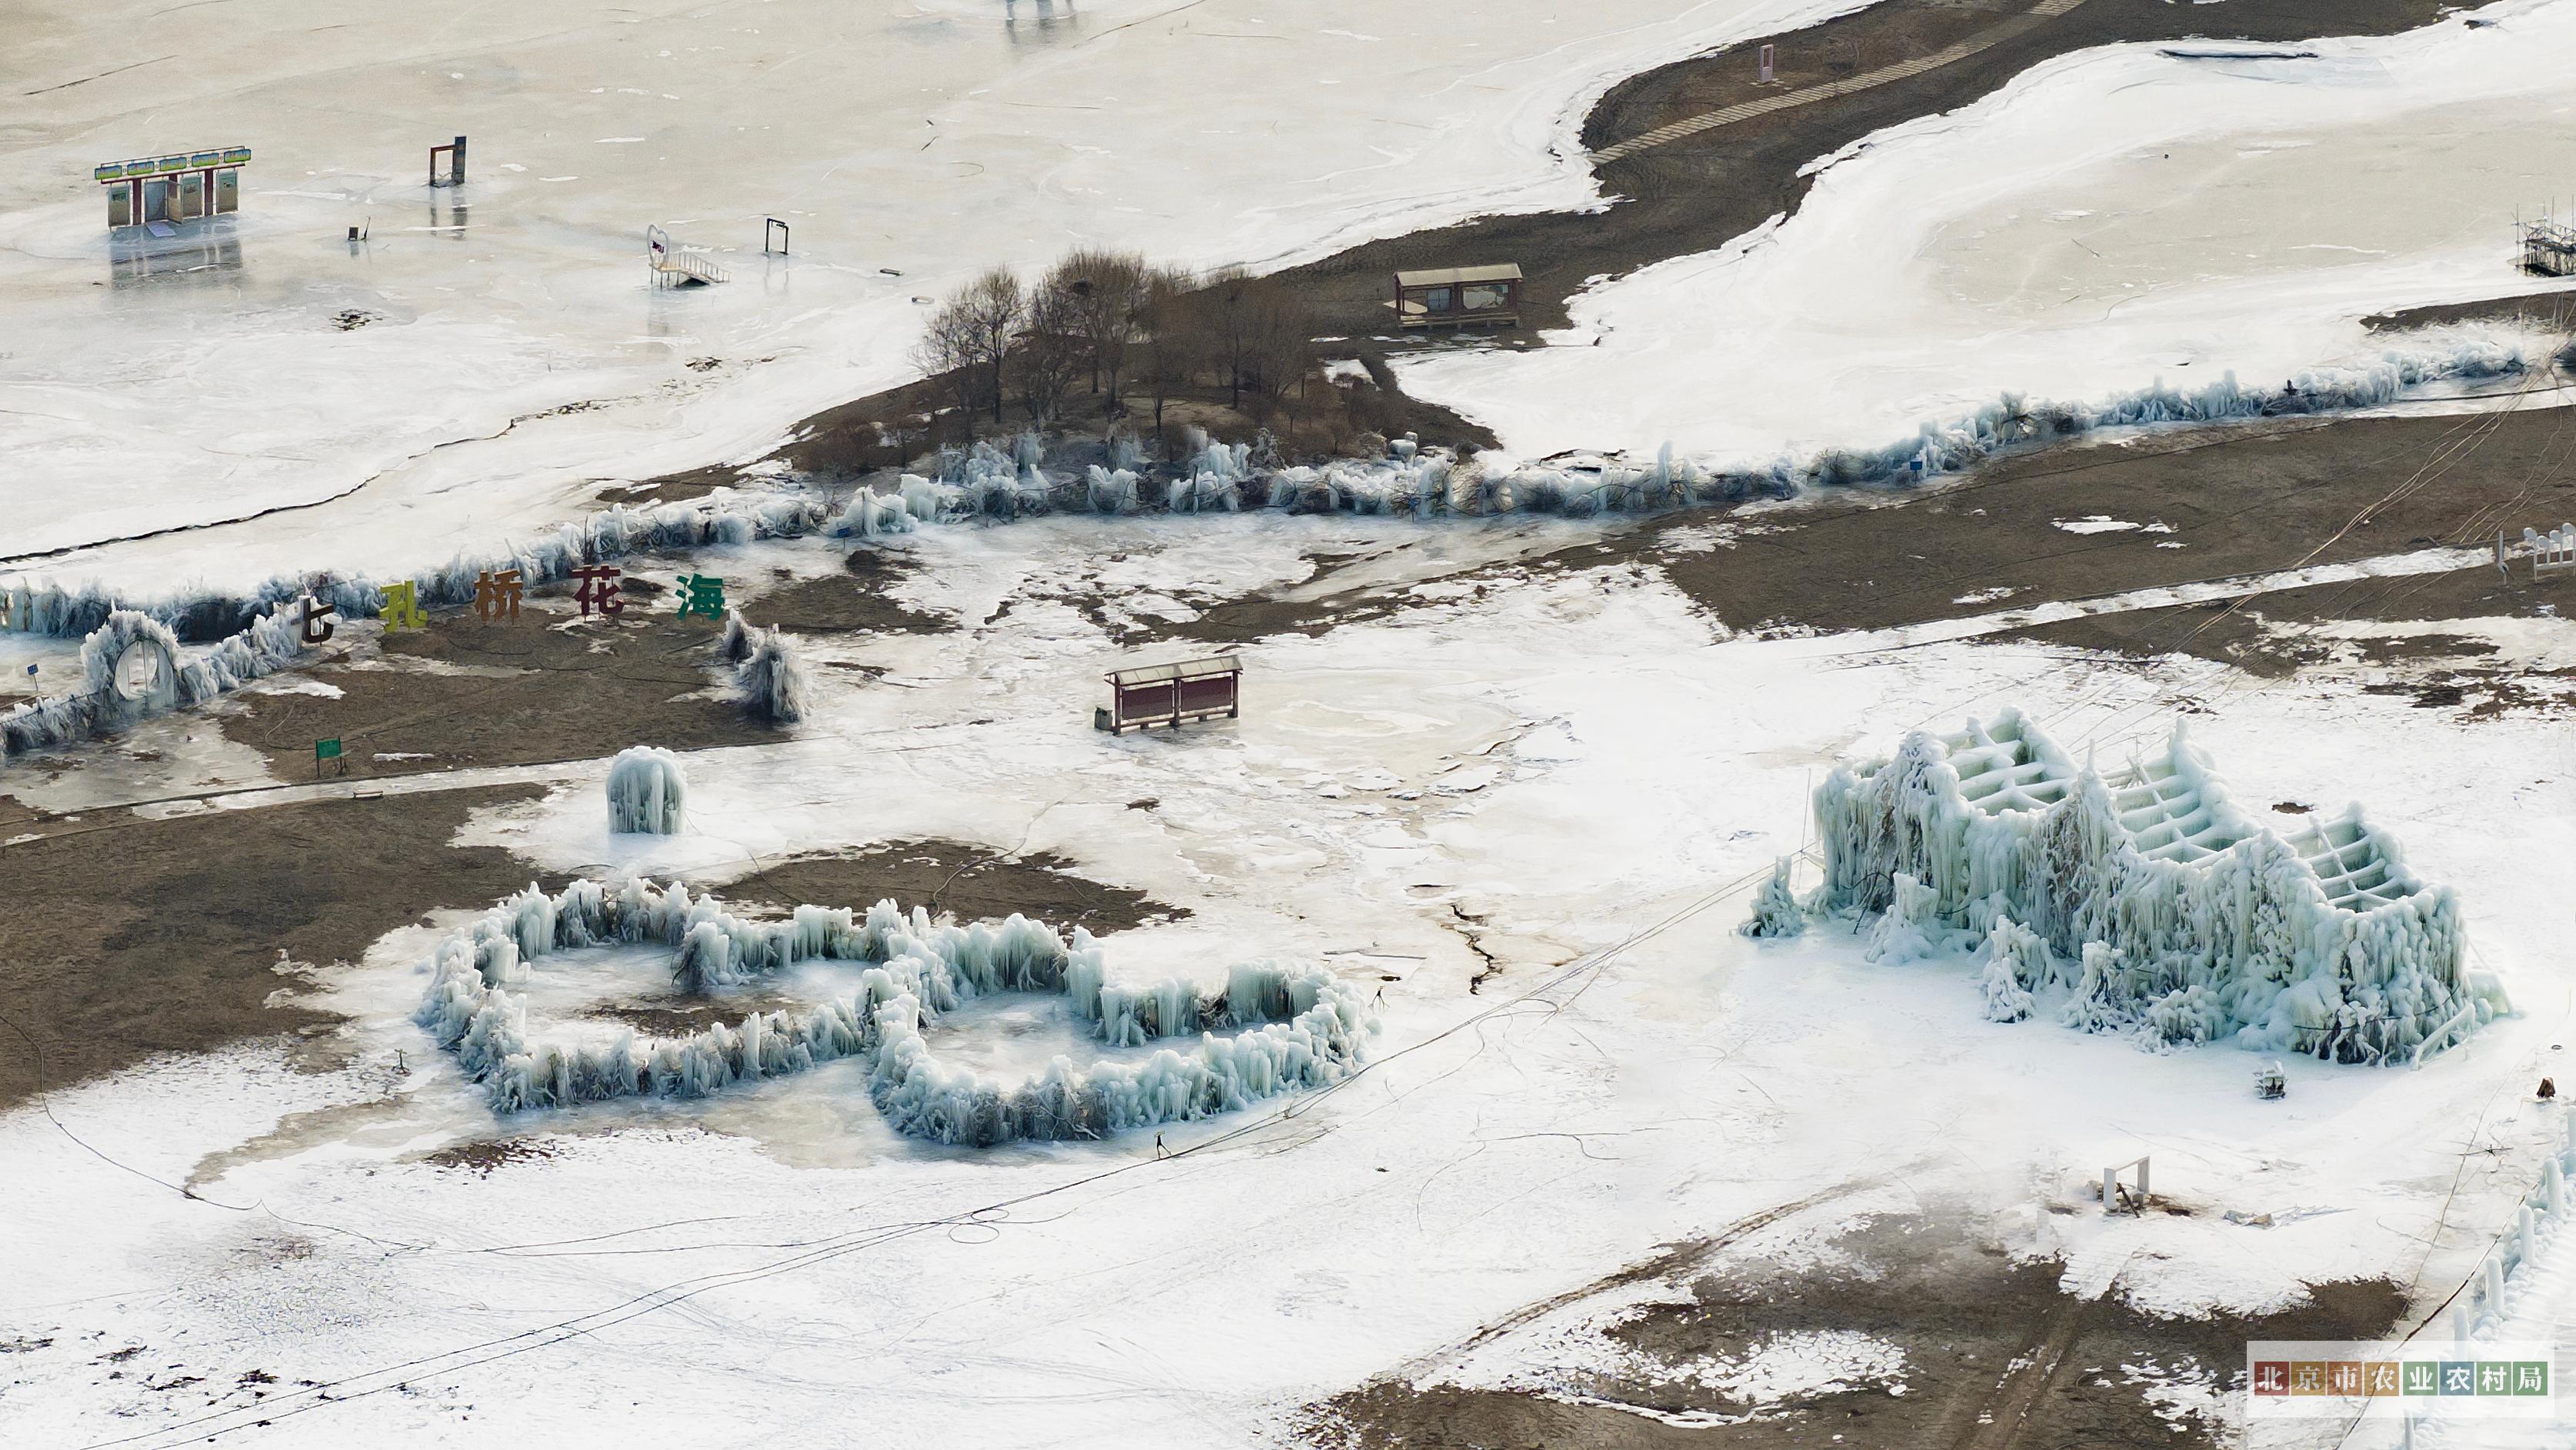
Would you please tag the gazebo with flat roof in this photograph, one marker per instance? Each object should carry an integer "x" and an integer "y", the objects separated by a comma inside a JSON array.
[{"x": 1454, "y": 296}]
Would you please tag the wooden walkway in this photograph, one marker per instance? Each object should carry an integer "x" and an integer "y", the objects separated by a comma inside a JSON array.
[{"x": 1693, "y": 125}]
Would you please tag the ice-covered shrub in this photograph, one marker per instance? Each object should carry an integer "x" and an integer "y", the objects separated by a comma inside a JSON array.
[
  {"x": 1775, "y": 911},
  {"x": 870, "y": 515},
  {"x": 645, "y": 792},
  {"x": 1303, "y": 1027},
  {"x": 2188, "y": 916},
  {"x": 1910, "y": 929},
  {"x": 2006, "y": 999},
  {"x": 733, "y": 645},
  {"x": 773, "y": 685}
]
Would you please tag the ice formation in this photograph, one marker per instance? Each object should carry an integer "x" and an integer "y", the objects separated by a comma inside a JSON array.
[
  {"x": 1776, "y": 911},
  {"x": 599, "y": 538},
  {"x": 1309, "y": 1033},
  {"x": 772, "y": 683},
  {"x": 2191, "y": 920},
  {"x": 645, "y": 792},
  {"x": 272, "y": 642},
  {"x": 988, "y": 482}
]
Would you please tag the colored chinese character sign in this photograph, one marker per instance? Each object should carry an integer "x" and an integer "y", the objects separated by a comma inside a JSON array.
[
  {"x": 701, "y": 594},
  {"x": 2342, "y": 1379}
]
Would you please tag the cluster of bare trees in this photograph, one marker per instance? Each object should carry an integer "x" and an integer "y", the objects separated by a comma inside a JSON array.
[{"x": 1110, "y": 326}]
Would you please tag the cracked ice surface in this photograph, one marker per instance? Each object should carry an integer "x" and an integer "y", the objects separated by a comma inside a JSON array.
[
  {"x": 1642, "y": 757},
  {"x": 907, "y": 146},
  {"x": 2110, "y": 218}
]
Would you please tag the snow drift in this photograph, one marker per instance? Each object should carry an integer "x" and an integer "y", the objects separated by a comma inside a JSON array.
[
  {"x": 2187, "y": 919},
  {"x": 1309, "y": 1032}
]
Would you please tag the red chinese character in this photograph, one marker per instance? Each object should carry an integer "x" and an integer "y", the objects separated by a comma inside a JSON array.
[{"x": 598, "y": 590}]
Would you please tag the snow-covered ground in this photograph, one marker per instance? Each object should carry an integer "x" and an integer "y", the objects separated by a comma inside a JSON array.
[
  {"x": 2111, "y": 219},
  {"x": 1563, "y": 772},
  {"x": 907, "y": 144}
]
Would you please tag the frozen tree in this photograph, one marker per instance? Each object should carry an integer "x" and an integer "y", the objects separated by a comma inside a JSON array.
[
  {"x": 2006, "y": 1001},
  {"x": 773, "y": 685},
  {"x": 1910, "y": 929},
  {"x": 734, "y": 645},
  {"x": 1776, "y": 912},
  {"x": 645, "y": 792}
]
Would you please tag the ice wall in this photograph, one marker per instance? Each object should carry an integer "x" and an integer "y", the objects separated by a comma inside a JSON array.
[
  {"x": 2190, "y": 919},
  {"x": 1309, "y": 1031},
  {"x": 270, "y": 643},
  {"x": 990, "y": 483}
]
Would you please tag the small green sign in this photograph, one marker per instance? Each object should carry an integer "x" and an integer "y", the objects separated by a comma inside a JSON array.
[{"x": 327, "y": 749}]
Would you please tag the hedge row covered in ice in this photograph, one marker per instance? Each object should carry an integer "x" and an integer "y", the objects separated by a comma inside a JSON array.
[
  {"x": 2146, "y": 899},
  {"x": 990, "y": 482},
  {"x": 600, "y": 538},
  {"x": 1309, "y": 1032},
  {"x": 271, "y": 643}
]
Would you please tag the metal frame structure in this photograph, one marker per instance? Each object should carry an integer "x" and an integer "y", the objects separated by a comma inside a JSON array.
[
  {"x": 455, "y": 163},
  {"x": 771, "y": 224},
  {"x": 1173, "y": 694}
]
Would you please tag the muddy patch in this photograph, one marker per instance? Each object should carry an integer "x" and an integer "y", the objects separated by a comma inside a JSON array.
[
  {"x": 968, "y": 882},
  {"x": 548, "y": 687},
  {"x": 1901, "y": 1330},
  {"x": 164, "y": 936},
  {"x": 859, "y": 600}
]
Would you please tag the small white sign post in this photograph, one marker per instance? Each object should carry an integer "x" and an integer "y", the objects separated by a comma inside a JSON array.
[
  {"x": 2111, "y": 1186},
  {"x": 1769, "y": 54}
]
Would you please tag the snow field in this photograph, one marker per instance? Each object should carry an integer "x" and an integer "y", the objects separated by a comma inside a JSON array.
[
  {"x": 1614, "y": 755},
  {"x": 2109, "y": 217}
]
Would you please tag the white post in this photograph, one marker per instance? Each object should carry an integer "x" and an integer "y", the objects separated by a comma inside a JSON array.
[
  {"x": 2459, "y": 1322},
  {"x": 2142, "y": 1183},
  {"x": 2110, "y": 1189},
  {"x": 2530, "y": 1234},
  {"x": 2495, "y": 1285},
  {"x": 2553, "y": 1181}
]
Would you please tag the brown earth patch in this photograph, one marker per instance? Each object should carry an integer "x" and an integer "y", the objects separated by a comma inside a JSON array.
[
  {"x": 856, "y": 601},
  {"x": 152, "y": 937},
  {"x": 968, "y": 882},
  {"x": 1996, "y": 1355}
]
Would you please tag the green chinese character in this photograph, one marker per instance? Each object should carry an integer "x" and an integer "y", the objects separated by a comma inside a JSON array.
[
  {"x": 701, "y": 594},
  {"x": 2531, "y": 1377}
]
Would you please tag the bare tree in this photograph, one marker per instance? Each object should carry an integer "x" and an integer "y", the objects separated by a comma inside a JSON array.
[
  {"x": 1223, "y": 312},
  {"x": 946, "y": 354},
  {"x": 1049, "y": 350},
  {"x": 985, "y": 314},
  {"x": 1108, "y": 297},
  {"x": 1277, "y": 348},
  {"x": 1172, "y": 342}
]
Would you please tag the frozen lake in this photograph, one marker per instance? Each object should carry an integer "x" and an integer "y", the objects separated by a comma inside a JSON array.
[
  {"x": 906, "y": 144},
  {"x": 2111, "y": 218}
]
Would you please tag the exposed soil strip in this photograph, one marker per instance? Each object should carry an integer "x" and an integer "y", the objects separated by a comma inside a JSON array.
[
  {"x": 165, "y": 939},
  {"x": 1747, "y": 110},
  {"x": 1991, "y": 1354}
]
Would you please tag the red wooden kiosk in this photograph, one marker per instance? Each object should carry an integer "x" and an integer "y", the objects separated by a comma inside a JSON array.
[{"x": 1172, "y": 694}]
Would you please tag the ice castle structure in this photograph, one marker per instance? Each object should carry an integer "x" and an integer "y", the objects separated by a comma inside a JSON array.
[
  {"x": 1274, "y": 1028},
  {"x": 2160, "y": 907}
]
